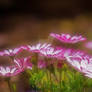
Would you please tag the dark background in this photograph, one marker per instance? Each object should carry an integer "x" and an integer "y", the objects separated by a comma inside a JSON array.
[{"x": 45, "y": 8}]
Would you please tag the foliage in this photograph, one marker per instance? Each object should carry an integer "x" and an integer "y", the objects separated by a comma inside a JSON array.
[{"x": 62, "y": 80}]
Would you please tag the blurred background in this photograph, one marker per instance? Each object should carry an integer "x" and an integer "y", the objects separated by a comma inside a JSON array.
[
  {"x": 25, "y": 21},
  {"x": 28, "y": 21}
]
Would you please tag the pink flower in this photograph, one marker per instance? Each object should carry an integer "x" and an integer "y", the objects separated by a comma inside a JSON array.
[
  {"x": 67, "y": 38},
  {"x": 51, "y": 52},
  {"x": 7, "y": 71},
  {"x": 20, "y": 66},
  {"x": 12, "y": 52},
  {"x": 81, "y": 63},
  {"x": 73, "y": 52},
  {"x": 63, "y": 52},
  {"x": 41, "y": 64},
  {"x": 44, "y": 49},
  {"x": 88, "y": 45},
  {"x": 37, "y": 48},
  {"x": 23, "y": 63}
]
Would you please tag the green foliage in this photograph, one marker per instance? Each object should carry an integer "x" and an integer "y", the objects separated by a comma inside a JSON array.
[{"x": 61, "y": 80}]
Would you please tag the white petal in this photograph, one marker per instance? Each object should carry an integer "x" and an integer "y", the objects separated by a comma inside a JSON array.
[
  {"x": 29, "y": 67},
  {"x": 89, "y": 75},
  {"x": 3, "y": 71},
  {"x": 13, "y": 70},
  {"x": 6, "y": 52},
  {"x": 7, "y": 69},
  {"x": 16, "y": 50},
  {"x": 68, "y": 36},
  {"x": 44, "y": 45},
  {"x": 17, "y": 63},
  {"x": 38, "y": 46}
]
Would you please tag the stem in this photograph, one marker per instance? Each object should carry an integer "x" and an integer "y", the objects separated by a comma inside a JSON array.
[
  {"x": 47, "y": 73},
  {"x": 84, "y": 90},
  {"x": 60, "y": 79},
  {"x": 9, "y": 84},
  {"x": 51, "y": 81},
  {"x": 44, "y": 81}
]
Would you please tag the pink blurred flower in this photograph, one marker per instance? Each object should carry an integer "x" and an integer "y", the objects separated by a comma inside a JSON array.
[
  {"x": 38, "y": 47},
  {"x": 67, "y": 38},
  {"x": 20, "y": 66},
  {"x": 41, "y": 64},
  {"x": 73, "y": 52},
  {"x": 81, "y": 63},
  {"x": 7, "y": 71},
  {"x": 44, "y": 49},
  {"x": 88, "y": 45},
  {"x": 63, "y": 52},
  {"x": 60, "y": 55},
  {"x": 23, "y": 63},
  {"x": 12, "y": 52},
  {"x": 51, "y": 52}
]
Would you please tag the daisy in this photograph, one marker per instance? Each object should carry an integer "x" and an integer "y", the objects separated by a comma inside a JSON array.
[
  {"x": 88, "y": 45},
  {"x": 41, "y": 64},
  {"x": 73, "y": 52},
  {"x": 7, "y": 71},
  {"x": 38, "y": 47},
  {"x": 12, "y": 52},
  {"x": 81, "y": 63},
  {"x": 51, "y": 52},
  {"x": 20, "y": 66},
  {"x": 67, "y": 38}
]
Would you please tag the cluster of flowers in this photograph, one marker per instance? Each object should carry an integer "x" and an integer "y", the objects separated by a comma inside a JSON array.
[{"x": 78, "y": 59}]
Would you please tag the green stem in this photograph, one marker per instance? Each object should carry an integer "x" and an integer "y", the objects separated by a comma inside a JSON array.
[
  {"x": 44, "y": 81},
  {"x": 60, "y": 79},
  {"x": 51, "y": 81},
  {"x": 84, "y": 90}
]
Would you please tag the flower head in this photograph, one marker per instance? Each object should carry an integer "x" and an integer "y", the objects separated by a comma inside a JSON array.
[
  {"x": 67, "y": 38},
  {"x": 51, "y": 52},
  {"x": 41, "y": 64},
  {"x": 7, "y": 71},
  {"x": 88, "y": 45},
  {"x": 38, "y": 47},
  {"x": 81, "y": 63},
  {"x": 20, "y": 66},
  {"x": 62, "y": 52},
  {"x": 23, "y": 63},
  {"x": 73, "y": 52},
  {"x": 44, "y": 50},
  {"x": 12, "y": 52}
]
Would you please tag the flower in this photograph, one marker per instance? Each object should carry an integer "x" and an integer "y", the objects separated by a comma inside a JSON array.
[
  {"x": 62, "y": 52},
  {"x": 51, "y": 52},
  {"x": 60, "y": 55},
  {"x": 73, "y": 52},
  {"x": 20, "y": 66},
  {"x": 83, "y": 63},
  {"x": 38, "y": 47},
  {"x": 67, "y": 38},
  {"x": 44, "y": 49},
  {"x": 7, "y": 71},
  {"x": 12, "y": 52},
  {"x": 41, "y": 64},
  {"x": 88, "y": 45},
  {"x": 23, "y": 63}
]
